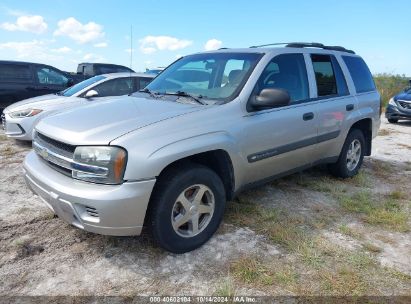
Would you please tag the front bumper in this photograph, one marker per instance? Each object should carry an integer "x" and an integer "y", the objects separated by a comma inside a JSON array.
[
  {"x": 392, "y": 112},
  {"x": 18, "y": 128},
  {"x": 103, "y": 209}
]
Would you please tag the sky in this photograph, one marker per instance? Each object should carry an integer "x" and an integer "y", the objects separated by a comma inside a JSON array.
[{"x": 64, "y": 33}]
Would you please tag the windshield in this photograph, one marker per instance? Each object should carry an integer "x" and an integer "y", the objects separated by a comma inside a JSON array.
[
  {"x": 81, "y": 85},
  {"x": 218, "y": 76}
]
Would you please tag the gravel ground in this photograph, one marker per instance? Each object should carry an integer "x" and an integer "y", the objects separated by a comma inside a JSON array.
[{"x": 41, "y": 255}]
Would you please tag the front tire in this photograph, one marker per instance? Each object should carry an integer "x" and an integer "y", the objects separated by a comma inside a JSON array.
[
  {"x": 392, "y": 120},
  {"x": 351, "y": 156},
  {"x": 186, "y": 208}
]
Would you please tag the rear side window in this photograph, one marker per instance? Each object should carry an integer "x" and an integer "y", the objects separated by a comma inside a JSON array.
[
  {"x": 15, "y": 73},
  {"x": 360, "y": 74},
  {"x": 115, "y": 87},
  {"x": 324, "y": 75},
  {"x": 286, "y": 72}
]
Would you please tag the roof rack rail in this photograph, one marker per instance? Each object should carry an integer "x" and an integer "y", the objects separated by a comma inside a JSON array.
[{"x": 309, "y": 44}]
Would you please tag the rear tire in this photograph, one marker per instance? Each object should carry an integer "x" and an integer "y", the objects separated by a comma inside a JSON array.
[
  {"x": 351, "y": 156},
  {"x": 392, "y": 120},
  {"x": 186, "y": 208}
]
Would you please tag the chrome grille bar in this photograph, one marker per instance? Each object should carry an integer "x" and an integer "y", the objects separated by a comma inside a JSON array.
[{"x": 65, "y": 162}]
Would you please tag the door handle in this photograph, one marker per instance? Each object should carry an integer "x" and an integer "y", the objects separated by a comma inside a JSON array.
[
  {"x": 349, "y": 107},
  {"x": 308, "y": 116}
]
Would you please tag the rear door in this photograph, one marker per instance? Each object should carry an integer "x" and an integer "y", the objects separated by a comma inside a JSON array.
[
  {"x": 16, "y": 83},
  {"x": 335, "y": 105},
  {"x": 49, "y": 80},
  {"x": 280, "y": 140}
]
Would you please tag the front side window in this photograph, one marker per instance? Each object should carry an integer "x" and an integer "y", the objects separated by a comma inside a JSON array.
[
  {"x": 50, "y": 76},
  {"x": 218, "y": 76},
  {"x": 115, "y": 87},
  {"x": 360, "y": 74},
  {"x": 81, "y": 86},
  {"x": 286, "y": 72}
]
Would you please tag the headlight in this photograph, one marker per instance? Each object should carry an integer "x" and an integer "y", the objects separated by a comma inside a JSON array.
[
  {"x": 105, "y": 165},
  {"x": 25, "y": 113},
  {"x": 392, "y": 102}
]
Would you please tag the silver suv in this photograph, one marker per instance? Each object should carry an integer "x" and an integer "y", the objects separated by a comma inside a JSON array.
[{"x": 209, "y": 126}]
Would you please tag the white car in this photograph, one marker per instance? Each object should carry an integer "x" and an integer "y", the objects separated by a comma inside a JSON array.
[{"x": 20, "y": 118}]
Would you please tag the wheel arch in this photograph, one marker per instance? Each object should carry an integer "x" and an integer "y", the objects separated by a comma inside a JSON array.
[{"x": 365, "y": 126}]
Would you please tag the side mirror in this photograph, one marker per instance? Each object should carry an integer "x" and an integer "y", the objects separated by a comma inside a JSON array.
[
  {"x": 91, "y": 94},
  {"x": 270, "y": 98}
]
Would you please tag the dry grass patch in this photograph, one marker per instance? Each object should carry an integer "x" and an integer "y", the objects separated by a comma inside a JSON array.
[
  {"x": 345, "y": 229},
  {"x": 405, "y": 146},
  {"x": 381, "y": 169},
  {"x": 251, "y": 270},
  {"x": 376, "y": 210},
  {"x": 372, "y": 248},
  {"x": 7, "y": 151},
  {"x": 225, "y": 288},
  {"x": 386, "y": 132}
]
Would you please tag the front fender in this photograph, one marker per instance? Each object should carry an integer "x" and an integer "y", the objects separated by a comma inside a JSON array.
[{"x": 155, "y": 162}]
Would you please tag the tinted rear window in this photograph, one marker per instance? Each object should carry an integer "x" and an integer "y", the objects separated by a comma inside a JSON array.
[
  {"x": 15, "y": 73},
  {"x": 360, "y": 74},
  {"x": 324, "y": 75}
]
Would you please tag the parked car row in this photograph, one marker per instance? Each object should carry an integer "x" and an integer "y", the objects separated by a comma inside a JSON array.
[
  {"x": 207, "y": 127},
  {"x": 20, "y": 118},
  {"x": 22, "y": 80}
]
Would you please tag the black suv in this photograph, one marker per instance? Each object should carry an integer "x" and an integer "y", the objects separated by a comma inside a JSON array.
[
  {"x": 22, "y": 80},
  {"x": 399, "y": 106}
]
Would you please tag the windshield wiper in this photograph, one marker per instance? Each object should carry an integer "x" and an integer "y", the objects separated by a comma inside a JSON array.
[
  {"x": 152, "y": 94},
  {"x": 185, "y": 94}
]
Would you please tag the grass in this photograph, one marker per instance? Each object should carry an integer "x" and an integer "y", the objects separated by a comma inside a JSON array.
[
  {"x": 7, "y": 151},
  {"x": 385, "y": 212},
  {"x": 397, "y": 195},
  {"x": 372, "y": 248},
  {"x": 251, "y": 270},
  {"x": 384, "y": 132},
  {"x": 314, "y": 265},
  {"x": 344, "y": 229},
  {"x": 405, "y": 146},
  {"x": 226, "y": 288}
]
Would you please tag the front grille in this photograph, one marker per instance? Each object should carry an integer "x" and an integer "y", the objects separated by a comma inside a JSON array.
[
  {"x": 3, "y": 121},
  {"x": 405, "y": 105},
  {"x": 54, "y": 145},
  {"x": 91, "y": 211},
  {"x": 56, "y": 154}
]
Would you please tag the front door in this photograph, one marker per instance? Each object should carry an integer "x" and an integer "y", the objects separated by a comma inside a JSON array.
[
  {"x": 49, "y": 80},
  {"x": 280, "y": 140}
]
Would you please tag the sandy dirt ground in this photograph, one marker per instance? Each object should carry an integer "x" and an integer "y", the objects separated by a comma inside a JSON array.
[{"x": 41, "y": 255}]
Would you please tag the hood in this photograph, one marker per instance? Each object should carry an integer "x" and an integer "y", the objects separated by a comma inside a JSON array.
[
  {"x": 101, "y": 122},
  {"x": 39, "y": 102},
  {"x": 403, "y": 96}
]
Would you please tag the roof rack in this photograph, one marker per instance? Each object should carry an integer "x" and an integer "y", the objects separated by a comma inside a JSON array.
[{"x": 308, "y": 44}]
